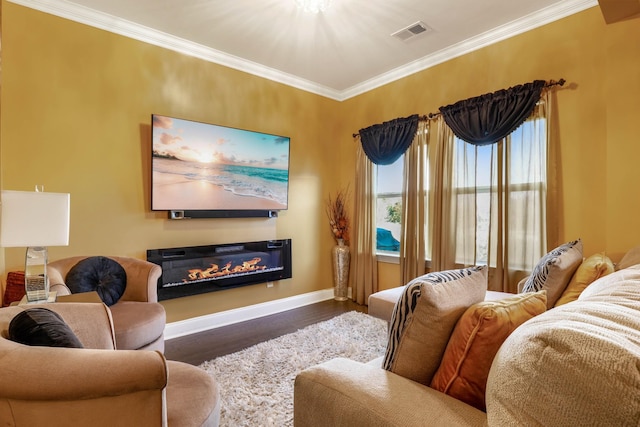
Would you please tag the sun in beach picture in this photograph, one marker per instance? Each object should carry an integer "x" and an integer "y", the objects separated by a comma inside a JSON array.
[{"x": 200, "y": 166}]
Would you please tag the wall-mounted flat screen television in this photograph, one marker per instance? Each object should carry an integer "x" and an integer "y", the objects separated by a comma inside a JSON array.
[{"x": 210, "y": 168}]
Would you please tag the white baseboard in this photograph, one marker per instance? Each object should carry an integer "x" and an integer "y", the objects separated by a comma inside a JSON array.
[{"x": 216, "y": 320}]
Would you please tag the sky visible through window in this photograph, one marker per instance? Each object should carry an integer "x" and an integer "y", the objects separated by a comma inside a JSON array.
[{"x": 389, "y": 197}]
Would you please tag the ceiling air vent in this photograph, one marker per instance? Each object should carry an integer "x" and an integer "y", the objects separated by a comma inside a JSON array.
[{"x": 411, "y": 31}]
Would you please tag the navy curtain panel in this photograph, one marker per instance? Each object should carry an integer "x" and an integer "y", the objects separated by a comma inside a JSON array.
[
  {"x": 385, "y": 143},
  {"x": 488, "y": 118}
]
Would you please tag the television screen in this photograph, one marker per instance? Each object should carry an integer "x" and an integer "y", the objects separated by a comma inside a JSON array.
[{"x": 205, "y": 167}]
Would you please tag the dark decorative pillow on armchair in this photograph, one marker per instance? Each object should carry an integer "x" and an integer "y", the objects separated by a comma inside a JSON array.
[
  {"x": 42, "y": 327},
  {"x": 101, "y": 274}
]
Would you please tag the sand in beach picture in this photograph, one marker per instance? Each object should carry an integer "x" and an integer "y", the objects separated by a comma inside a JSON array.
[{"x": 200, "y": 166}]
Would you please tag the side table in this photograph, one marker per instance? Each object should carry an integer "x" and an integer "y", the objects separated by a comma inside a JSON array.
[
  {"x": 25, "y": 301},
  {"x": 53, "y": 297},
  {"x": 80, "y": 297}
]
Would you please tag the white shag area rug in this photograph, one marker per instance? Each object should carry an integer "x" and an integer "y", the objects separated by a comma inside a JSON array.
[{"x": 256, "y": 384}]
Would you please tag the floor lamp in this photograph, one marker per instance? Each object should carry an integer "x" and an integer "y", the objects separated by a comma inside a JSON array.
[{"x": 36, "y": 220}]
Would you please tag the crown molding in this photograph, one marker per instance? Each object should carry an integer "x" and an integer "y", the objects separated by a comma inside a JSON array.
[
  {"x": 113, "y": 24},
  {"x": 93, "y": 18},
  {"x": 542, "y": 17}
]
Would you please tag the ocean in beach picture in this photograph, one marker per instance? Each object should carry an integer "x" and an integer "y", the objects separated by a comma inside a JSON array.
[{"x": 199, "y": 166}]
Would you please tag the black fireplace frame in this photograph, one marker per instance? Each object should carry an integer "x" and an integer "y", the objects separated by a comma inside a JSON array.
[{"x": 161, "y": 256}]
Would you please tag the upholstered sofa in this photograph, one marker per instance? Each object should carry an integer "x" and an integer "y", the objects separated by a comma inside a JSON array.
[
  {"x": 382, "y": 303},
  {"x": 95, "y": 385},
  {"x": 575, "y": 364},
  {"x": 139, "y": 320}
]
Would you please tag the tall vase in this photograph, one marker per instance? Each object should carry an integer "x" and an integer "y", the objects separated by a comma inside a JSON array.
[{"x": 341, "y": 257}]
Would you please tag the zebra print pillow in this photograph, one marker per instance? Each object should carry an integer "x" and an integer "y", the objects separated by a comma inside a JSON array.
[
  {"x": 554, "y": 271},
  {"x": 424, "y": 317}
]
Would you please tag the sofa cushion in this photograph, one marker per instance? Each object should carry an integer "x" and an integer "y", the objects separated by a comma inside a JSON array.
[
  {"x": 591, "y": 269},
  {"x": 137, "y": 324},
  {"x": 554, "y": 271},
  {"x": 101, "y": 274},
  {"x": 424, "y": 317},
  {"x": 631, "y": 258},
  {"x": 382, "y": 303},
  {"x": 475, "y": 341},
  {"x": 343, "y": 392},
  {"x": 574, "y": 365},
  {"x": 40, "y": 326},
  {"x": 621, "y": 283}
]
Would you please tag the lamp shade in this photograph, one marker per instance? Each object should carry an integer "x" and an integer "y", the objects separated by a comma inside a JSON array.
[{"x": 31, "y": 218}]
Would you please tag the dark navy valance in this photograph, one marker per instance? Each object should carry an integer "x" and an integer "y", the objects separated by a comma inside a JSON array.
[
  {"x": 385, "y": 143},
  {"x": 488, "y": 118}
]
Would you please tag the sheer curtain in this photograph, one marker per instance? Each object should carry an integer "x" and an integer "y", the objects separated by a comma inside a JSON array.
[
  {"x": 365, "y": 265},
  {"x": 442, "y": 207},
  {"x": 380, "y": 144},
  {"x": 498, "y": 203},
  {"x": 484, "y": 202},
  {"x": 414, "y": 206}
]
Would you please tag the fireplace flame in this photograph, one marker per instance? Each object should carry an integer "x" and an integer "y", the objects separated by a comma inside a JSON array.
[{"x": 215, "y": 271}]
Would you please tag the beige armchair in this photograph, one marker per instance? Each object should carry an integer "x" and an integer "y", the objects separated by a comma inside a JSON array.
[
  {"x": 138, "y": 318},
  {"x": 96, "y": 386}
]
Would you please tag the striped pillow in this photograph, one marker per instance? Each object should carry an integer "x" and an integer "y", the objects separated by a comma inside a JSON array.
[
  {"x": 554, "y": 271},
  {"x": 424, "y": 317}
]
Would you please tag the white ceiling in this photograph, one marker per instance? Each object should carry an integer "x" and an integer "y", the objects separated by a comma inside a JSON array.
[{"x": 340, "y": 53}]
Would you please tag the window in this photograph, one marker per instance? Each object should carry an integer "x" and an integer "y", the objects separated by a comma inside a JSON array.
[
  {"x": 498, "y": 201},
  {"x": 473, "y": 181},
  {"x": 501, "y": 188},
  {"x": 389, "y": 206}
]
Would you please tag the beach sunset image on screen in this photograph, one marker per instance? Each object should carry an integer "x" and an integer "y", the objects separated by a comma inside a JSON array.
[{"x": 200, "y": 166}]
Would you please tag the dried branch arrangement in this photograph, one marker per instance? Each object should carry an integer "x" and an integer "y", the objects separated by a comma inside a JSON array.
[{"x": 337, "y": 213}]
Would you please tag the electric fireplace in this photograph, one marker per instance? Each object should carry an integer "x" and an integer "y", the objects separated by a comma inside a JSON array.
[{"x": 194, "y": 270}]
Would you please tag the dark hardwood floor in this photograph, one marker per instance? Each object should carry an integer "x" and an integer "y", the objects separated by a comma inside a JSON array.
[{"x": 203, "y": 346}]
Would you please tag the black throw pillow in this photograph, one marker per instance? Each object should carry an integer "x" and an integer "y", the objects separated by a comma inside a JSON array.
[
  {"x": 100, "y": 274},
  {"x": 42, "y": 327}
]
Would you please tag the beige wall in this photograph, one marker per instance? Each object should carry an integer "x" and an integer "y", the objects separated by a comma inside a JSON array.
[
  {"x": 76, "y": 117},
  {"x": 76, "y": 105}
]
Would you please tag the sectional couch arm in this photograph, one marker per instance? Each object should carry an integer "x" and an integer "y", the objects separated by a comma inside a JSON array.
[
  {"x": 342, "y": 392},
  {"x": 59, "y": 387},
  {"x": 53, "y": 373},
  {"x": 90, "y": 322}
]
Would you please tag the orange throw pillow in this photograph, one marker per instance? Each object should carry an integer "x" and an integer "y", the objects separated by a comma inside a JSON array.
[{"x": 475, "y": 341}]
